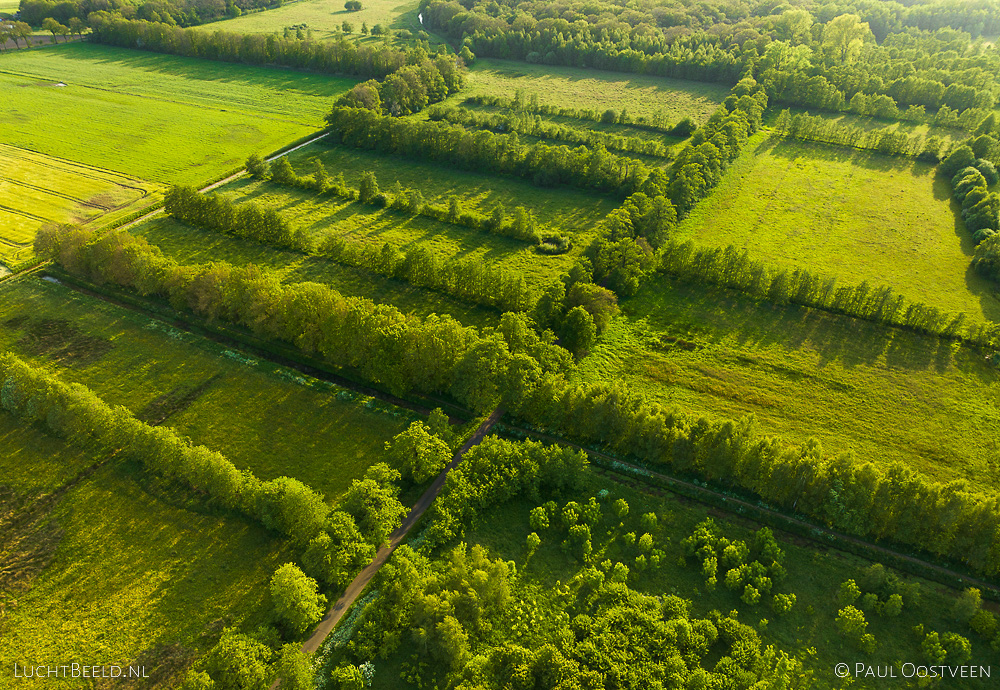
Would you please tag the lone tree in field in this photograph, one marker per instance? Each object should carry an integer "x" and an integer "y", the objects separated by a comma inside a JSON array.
[
  {"x": 297, "y": 603},
  {"x": 347, "y": 27},
  {"x": 352, "y": 5}
]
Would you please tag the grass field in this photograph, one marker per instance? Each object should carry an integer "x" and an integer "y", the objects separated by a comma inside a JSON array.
[
  {"x": 883, "y": 394},
  {"x": 815, "y": 572},
  {"x": 119, "y": 568},
  {"x": 160, "y": 118},
  {"x": 324, "y": 18},
  {"x": 571, "y": 87},
  {"x": 566, "y": 210},
  {"x": 947, "y": 135},
  {"x": 850, "y": 214},
  {"x": 37, "y": 190},
  {"x": 263, "y": 417}
]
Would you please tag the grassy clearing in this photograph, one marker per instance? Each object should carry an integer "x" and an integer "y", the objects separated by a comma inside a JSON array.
[
  {"x": 885, "y": 395},
  {"x": 263, "y": 417},
  {"x": 134, "y": 570},
  {"x": 325, "y": 18},
  {"x": 947, "y": 135},
  {"x": 37, "y": 190},
  {"x": 851, "y": 214},
  {"x": 572, "y": 87},
  {"x": 168, "y": 119},
  {"x": 814, "y": 576},
  {"x": 190, "y": 245},
  {"x": 569, "y": 211}
]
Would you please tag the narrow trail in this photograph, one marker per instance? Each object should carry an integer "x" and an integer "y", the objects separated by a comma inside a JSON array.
[
  {"x": 223, "y": 181},
  {"x": 353, "y": 591}
]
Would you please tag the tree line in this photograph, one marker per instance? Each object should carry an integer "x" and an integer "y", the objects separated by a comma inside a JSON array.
[
  {"x": 479, "y": 368},
  {"x": 886, "y": 140},
  {"x": 541, "y": 163},
  {"x": 330, "y": 57},
  {"x": 183, "y": 12},
  {"x": 411, "y": 88},
  {"x": 519, "y": 224},
  {"x": 529, "y": 103},
  {"x": 972, "y": 170},
  {"x": 533, "y": 125},
  {"x": 733, "y": 268}
]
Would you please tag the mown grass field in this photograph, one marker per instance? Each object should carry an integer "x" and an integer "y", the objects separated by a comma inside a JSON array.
[
  {"x": 885, "y": 395},
  {"x": 118, "y": 567},
  {"x": 324, "y": 18},
  {"x": 157, "y": 117},
  {"x": 262, "y": 417},
  {"x": 573, "y": 212},
  {"x": 815, "y": 572},
  {"x": 571, "y": 87},
  {"x": 850, "y": 214},
  {"x": 37, "y": 190}
]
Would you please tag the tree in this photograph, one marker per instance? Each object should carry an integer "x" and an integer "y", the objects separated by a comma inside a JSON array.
[
  {"x": 377, "y": 30},
  {"x": 533, "y": 541},
  {"x": 967, "y": 604},
  {"x": 296, "y": 599},
  {"x": 418, "y": 453},
  {"x": 347, "y": 28},
  {"x": 439, "y": 425},
  {"x": 238, "y": 662},
  {"x": 353, "y": 5},
  {"x": 347, "y": 677},
  {"x": 55, "y": 28},
  {"x": 851, "y": 623},
  {"x": 578, "y": 331},
  {"x": 258, "y": 167},
  {"x": 364, "y": 28},
  {"x": 374, "y": 504},
  {"x": 849, "y": 593},
  {"x": 962, "y": 157},
  {"x": 845, "y": 35},
  {"x": 197, "y": 680},
  {"x": 77, "y": 26},
  {"x": 295, "y": 669},
  {"x": 368, "y": 189},
  {"x": 893, "y": 606}
]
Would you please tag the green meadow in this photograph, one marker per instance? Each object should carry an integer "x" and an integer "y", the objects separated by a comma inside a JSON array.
[
  {"x": 117, "y": 567},
  {"x": 263, "y": 417},
  {"x": 160, "y": 118},
  {"x": 37, "y": 190},
  {"x": 572, "y": 87},
  {"x": 883, "y": 394},
  {"x": 324, "y": 18},
  {"x": 850, "y": 214}
]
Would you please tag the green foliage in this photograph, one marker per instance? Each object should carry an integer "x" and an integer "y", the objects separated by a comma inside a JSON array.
[
  {"x": 373, "y": 502},
  {"x": 238, "y": 662},
  {"x": 419, "y": 454},
  {"x": 297, "y": 602},
  {"x": 849, "y": 593},
  {"x": 851, "y": 623},
  {"x": 782, "y": 603},
  {"x": 967, "y": 605},
  {"x": 294, "y": 667},
  {"x": 347, "y": 677}
]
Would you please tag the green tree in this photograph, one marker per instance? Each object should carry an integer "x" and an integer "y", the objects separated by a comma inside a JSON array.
[
  {"x": 347, "y": 27},
  {"x": 967, "y": 604},
  {"x": 533, "y": 541},
  {"x": 296, "y": 599},
  {"x": 418, "y": 453},
  {"x": 347, "y": 677},
  {"x": 848, "y": 593},
  {"x": 374, "y": 504},
  {"x": 845, "y": 35},
  {"x": 238, "y": 662},
  {"x": 851, "y": 623},
  {"x": 364, "y": 28},
  {"x": 578, "y": 331},
  {"x": 197, "y": 680},
  {"x": 258, "y": 167},
  {"x": 295, "y": 669},
  {"x": 369, "y": 187}
]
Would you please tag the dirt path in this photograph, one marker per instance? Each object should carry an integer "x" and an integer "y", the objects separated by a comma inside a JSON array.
[
  {"x": 333, "y": 616},
  {"x": 221, "y": 182}
]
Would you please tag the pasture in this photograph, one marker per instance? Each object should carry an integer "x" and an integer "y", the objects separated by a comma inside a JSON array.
[
  {"x": 572, "y": 212},
  {"x": 263, "y": 417},
  {"x": 850, "y": 214},
  {"x": 324, "y": 18},
  {"x": 159, "y": 118},
  {"x": 118, "y": 567},
  {"x": 572, "y": 87},
  {"x": 883, "y": 394},
  {"x": 37, "y": 190}
]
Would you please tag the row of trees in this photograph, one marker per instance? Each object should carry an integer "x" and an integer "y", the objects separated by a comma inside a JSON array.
[
  {"x": 529, "y": 103},
  {"x": 534, "y": 125},
  {"x": 74, "y": 412},
  {"x": 971, "y": 178},
  {"x": 734, "y": 268},
  {"x": 887, "y": 140},
  {"x": 330, "y": 57},
  {"x": 183, "y": 12},
  {"x": 15, "y": 31},
  {"x": 520, "y": 224},
  {"x": 479, "y": 368},
  {"x": 543, "y": 164},
  {"x": 409, "y": 89},
  {"x": 249, "y": 220}
]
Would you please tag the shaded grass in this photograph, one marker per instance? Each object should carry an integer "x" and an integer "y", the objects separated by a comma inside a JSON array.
[
  {"x": 851, "y": 214},
  {"x": 187, "y": 245},
  {"x": 140, "y": 564},
  {"x": 886, "y": 395},
  {"x": 263, "y": 417},
  {"x": 579, "y": 88},
  {"x": 170, "y": 119},
  {"x": 32, "y": 462},
  {"x": 815, "y": 572}
]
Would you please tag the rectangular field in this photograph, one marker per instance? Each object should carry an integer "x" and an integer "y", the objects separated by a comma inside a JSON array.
[
  {"x": 884, "y": 394},
  {"x": 157, "y": 117},
  {"x": 324, "y": 18},
  {"x": 37, "y": 190},
  {"x": 572, "y": 87},
  {"x": 261, "y": 416},
  {"x": 849, "y": 214}
]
